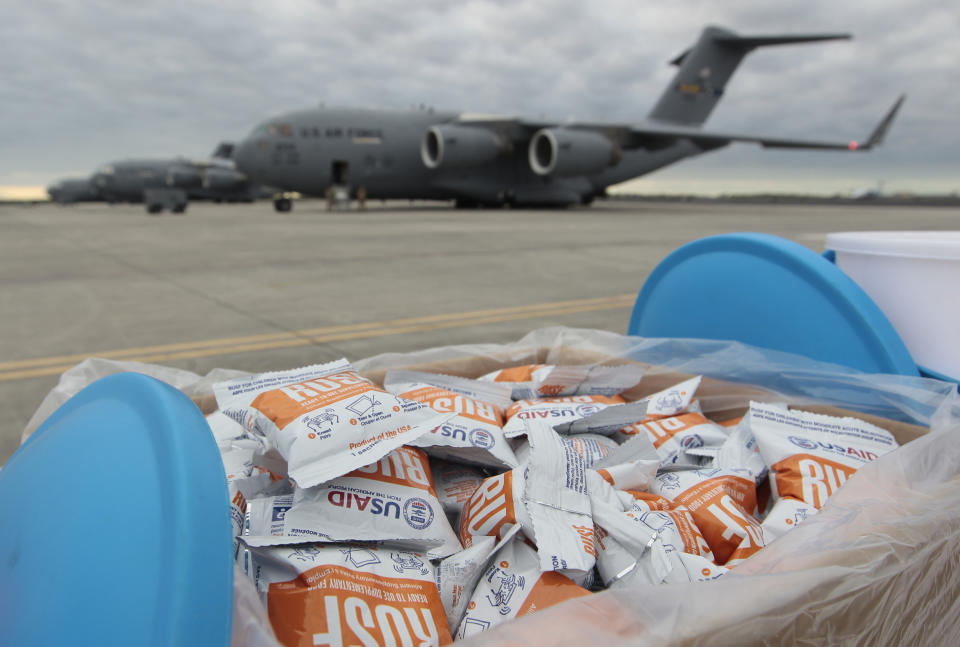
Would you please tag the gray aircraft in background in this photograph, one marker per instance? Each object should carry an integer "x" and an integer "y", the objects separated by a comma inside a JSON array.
[
  {"x": 492, "y": 160},
  {"x": 74, "y": 189},
  {"x": 163, "y": 183}
]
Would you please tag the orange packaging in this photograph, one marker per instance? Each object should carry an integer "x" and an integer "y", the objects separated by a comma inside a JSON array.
[
  {"x": 811, "y": 455},
  {"x": 325, "y": 420},
  {"x": 343, "y": 595},
  {"x": 495, "y": 507},
  {"x": 514, "y": 586},
  {"x": 723, "y": 503}
]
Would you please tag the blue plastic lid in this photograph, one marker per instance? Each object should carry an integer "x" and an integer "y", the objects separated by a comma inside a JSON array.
[
  {"x": 770, "y": 292},
  {"x": 114, "y": 524}
]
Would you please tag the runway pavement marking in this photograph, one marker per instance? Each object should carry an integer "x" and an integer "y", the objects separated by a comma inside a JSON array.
[{"x": 44, "y": 366}]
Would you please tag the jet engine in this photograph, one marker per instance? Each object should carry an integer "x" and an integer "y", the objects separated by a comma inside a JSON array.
[
  {"x": 448, "y": 146},
  {"x": 223, "y": 179},
  {"x": 184, "y": 177},
  {"x": 564, "y": 152}
]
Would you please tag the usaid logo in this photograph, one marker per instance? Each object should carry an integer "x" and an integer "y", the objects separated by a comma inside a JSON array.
[
  {"x": 417, "y": 513},
  {"x": 802, "y": 443},
  {"x": 584, "y": 410},
  {"x": 481, "y": 438}
]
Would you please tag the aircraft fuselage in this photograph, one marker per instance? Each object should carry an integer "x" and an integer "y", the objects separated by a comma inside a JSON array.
[{"x": 309, "y": 151}]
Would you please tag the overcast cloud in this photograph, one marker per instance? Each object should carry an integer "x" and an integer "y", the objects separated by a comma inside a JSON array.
[{"x": 82, "y": 83}]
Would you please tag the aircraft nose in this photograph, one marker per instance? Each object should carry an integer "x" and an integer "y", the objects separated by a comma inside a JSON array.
[{"x": 245, "y": 157}]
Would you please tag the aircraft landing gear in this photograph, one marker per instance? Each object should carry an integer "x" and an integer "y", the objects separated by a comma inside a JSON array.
[
  {"x": 179, "y": 208},
  {"x": 154, "y": 208},
  {"x": 283, "y": 205}
]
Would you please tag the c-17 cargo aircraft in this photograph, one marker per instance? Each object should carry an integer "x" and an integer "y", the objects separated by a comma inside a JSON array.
[
  {"x": 162, "y": 183},
  {"x": 490, "y": 160}
]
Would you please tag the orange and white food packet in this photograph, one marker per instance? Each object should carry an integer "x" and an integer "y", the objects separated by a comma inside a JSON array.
[
  {"x": 665, "y": 404},
  {"x": 643, "y": 538},
  {"x": 325, "y": 420},
  {"x": 458, "y": 575},
  {"x": 455, "y": 484},
  {"x": 592, "y": 447},
  {"x": 811, "y": 455},
  {"x": 349, "y": 594},
  {"x": 785, "y": 515},
  {"x": 723, "y": 503},
  {"x": 512, "y": 586},
  {"x": 556, "y": 411},
  {"x": 546, "y": 498},
  {"x": 495, "y": 507},
  {"x": 548, "y": 381},
  {"x": 675, "y": 436},
  {"x": 237, "y": 457},
  {"x": 474, "y": 432},
  {"x": 391, "y": 500}
]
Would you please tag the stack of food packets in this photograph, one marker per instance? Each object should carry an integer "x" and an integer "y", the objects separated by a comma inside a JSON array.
[{"x": 437, "y": 507}]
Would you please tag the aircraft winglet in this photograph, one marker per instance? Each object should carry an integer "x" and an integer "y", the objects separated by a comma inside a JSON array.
[{"x": 878, "y": 134}]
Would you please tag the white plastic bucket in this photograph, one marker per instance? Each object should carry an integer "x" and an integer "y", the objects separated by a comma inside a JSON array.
[{"x": 914, "y": 277}]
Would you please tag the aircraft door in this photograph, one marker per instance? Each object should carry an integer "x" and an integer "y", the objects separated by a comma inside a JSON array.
[{"x": 340, "y": 173}]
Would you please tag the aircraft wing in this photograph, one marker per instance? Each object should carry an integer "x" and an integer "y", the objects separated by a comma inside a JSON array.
[
  {"x": 660, "y": 134},
  {"x": 655, "y": 134}
]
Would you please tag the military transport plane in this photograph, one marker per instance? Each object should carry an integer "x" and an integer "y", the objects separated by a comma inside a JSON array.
[
  {"x": 74, "y": 189},
  {"x": 479, "y": 159},
  {"x": 162, "y": 183},
  {"x": 170, "y": 183}
]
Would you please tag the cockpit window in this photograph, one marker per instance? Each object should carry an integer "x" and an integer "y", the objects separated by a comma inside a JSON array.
[{"x": 284, "y": 130}]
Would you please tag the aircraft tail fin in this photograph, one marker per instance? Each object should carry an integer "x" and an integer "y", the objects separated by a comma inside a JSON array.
[
  {"x": 224, "y": 150},
  {"x": 706, "y": 67}
]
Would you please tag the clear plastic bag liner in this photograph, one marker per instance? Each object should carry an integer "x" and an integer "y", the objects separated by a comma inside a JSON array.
[{"x": 910, "y": 399}]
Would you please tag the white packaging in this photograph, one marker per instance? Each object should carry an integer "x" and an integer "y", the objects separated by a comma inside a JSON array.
[
  {"x": 593, "y": 447},
  {"x": 392, "y": 500},
  {"x": 333, "y": 596},
  {"x": 674, "y": 436},
  {"x": 554, "y": 410},
  {"x": 325, "y": 420},
  {"x": 607, "y": 421},
  {"x": 237, "y": 457},
  {"x": 547, "y": 381},
  {"x": 474, "y": 431},
  {"x": 455, "y": 484},
  {"x": 641, "y": 537},
  {"x": 674, "y": 400},
  {"x": 224, "y": 429},
  {"x": 738, "y": 451},
  {"x": 785, "y": 515},
  {"x": 557, "y": 502},
  {"x": 631, "y": 466},
  {"x": 458, "y": 574},
  {"x": 513, "y": 586},
  {"x": 811, "y": 455}
]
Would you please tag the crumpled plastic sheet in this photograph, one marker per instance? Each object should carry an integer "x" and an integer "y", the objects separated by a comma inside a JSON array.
[{"x": 879, "y": 565}]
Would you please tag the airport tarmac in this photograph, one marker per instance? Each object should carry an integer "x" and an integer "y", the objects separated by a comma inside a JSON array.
[{"x": 243, "y": 287}]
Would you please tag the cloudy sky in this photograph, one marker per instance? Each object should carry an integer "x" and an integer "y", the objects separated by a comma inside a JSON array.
[{"x": 82, "y": 83}]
